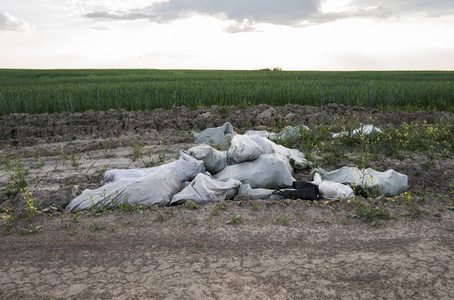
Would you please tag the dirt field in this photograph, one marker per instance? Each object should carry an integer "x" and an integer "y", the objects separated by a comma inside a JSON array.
[{"x": 288, "y": 249}]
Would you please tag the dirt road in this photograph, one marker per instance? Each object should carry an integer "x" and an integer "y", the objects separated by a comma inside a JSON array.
[{"x": 291, "y": 250}]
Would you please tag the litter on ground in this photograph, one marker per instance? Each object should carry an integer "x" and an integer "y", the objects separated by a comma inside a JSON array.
[{"x": 254, "y": 165}]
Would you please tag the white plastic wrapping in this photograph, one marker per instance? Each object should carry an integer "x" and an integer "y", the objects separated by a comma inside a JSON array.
[
  {"x": 330, "y": 190},
  {"x": 206, "y": 189},
  {"x": 270, "y": 171},
  {"x": 217, "y": 135},
  {"x": 214, "y": 160},
  {"x": 186, "y": 167},
  {"x": 264, "y": 194},
  {"x": 389, "y": 183},
  {"x": 155, "y": 189},
  {"x": 362, "y": 130}
]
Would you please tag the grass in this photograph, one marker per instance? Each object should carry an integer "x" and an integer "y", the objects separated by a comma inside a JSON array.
[{"x": 48, "y": 91}]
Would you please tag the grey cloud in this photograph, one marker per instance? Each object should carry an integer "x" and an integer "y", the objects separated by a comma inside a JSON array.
[
  {"x": 100, "y": 28},
  {"x": 245, "y": 26},
  {"x": 11, "y": 23},
  {"x": 246, "y": 13},
  {"x": 431, "y": 8},
  {"x": 285, "y": 12}
]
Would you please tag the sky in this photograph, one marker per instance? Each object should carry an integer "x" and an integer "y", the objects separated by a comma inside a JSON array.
[{"x": 228, "y": 34}]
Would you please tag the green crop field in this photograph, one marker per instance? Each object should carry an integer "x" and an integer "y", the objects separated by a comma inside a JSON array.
[{"x": 39, "y": 91}]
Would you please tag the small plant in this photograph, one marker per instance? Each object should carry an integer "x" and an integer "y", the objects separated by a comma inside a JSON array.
[
  {"x": 75, "y": 160},
  {"x": 160, "y": 218},
  {"x": 17, "y": 175},
  {"x": 96, "y": 227},
  {"x": 9, "y": 220},
  {"x": 30, "y": 211},
  {"x": 190, "y": 205},
  {"x": 136, "y": 148},
  {"x": 415, "y": 212},
  {"x": 368, "y": 210},
  {"x": 107, "y": 150},
  {"x": 217, "y": 207},
  {"x": 235, "y": 219},
  {"x": 75, "y": 216},
  {"x": 283, "y": 221}
]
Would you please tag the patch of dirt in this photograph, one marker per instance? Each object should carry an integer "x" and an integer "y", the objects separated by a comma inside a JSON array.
[{"x": 277, "y": 250}]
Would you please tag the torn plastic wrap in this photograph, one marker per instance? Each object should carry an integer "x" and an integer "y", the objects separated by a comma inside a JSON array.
[
  {"x": 389, "y": 183},
  {"x": 205, "y": 189},
  {"x": 270, "y": 171},
  {"x": 218, "y": 135}
]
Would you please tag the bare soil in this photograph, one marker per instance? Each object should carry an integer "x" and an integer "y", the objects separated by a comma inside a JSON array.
[{"x": 289, "y": 249}]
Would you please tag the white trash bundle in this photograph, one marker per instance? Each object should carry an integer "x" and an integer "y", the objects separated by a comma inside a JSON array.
[
  {"x": 362, "y": 130},
  {"x": 205, "y": 189},
  {"x": 214, "y": 160},
  {"x": 389, "y": 183},
  {"x": 270, "y": 171},
  {"x": 289, "y": 132},
  {"x": 330, "y": 190},
  {"x": 264, "y": 194},
  {"x": 152, "y": 186},
  {"x": 249, "y": 147},
  {"x": 216, "y": 135}
]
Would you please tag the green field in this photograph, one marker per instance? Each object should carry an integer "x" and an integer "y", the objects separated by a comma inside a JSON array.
[{"x": 39, "y": 91}]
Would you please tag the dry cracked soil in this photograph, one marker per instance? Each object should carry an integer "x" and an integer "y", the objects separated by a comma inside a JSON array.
[{"x": 287, "y": 249}]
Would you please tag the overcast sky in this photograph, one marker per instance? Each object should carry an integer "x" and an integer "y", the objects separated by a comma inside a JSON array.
[{"x": 228, "y": 34}]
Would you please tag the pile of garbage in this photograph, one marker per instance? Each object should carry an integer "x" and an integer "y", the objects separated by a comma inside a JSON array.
[{"x": 254, "y": 165}]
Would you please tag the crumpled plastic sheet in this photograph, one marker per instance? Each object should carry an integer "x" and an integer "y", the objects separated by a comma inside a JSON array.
[
  {"x": 214, "y": 160},
  {"x": 218, "y": 135},
  {"x": 249, "y": 147},
  {"x": 264, "y": 194},
  {"x": 362, "y": 130},
  {"x": 206, "y": 189},
  {"x": 331, "y": 190},
  {"x": 389, "y": 183},
  {"x": 269, "y": 171},
  {"x": 152, "y": 186}
]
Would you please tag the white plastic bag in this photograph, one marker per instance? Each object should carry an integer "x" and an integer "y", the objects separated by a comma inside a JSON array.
[
  {"x": 215, "y": 135},
  {"x": 270, "y": 171},
  {"x": 155, "y": 189},
  {"x": 214, "y": 160},
  {"x": 247, "y": 148},
  {"x": 206, "y": 189},
  {"x": 186, "y": 167},
  {"x": 389, "y": 183},
  {"x": 264, "y": 194},
  {"x": 330, "y": 190},
  {"x": 362, "y": 130}
]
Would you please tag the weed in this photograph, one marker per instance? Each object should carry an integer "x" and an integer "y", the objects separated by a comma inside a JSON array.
[
  {"x": 283, "y": 221},
  {"x": 107, "y": 150},
  {"x": 235, "y": 219},
  {"x": 17, "y": 176},
  {"x": 367, "y": 210},
  {"x": 30, "y": 211},
  {"x": 9, "y": 218},
  {"x": 136, "y": 148},
  {"x": 75, "y": 216},
  {"x": 97, "y": 227},
  {"x": 190, "y": 205},
  {"x": 415, "y": 212},
  {"x": 75, "y": 161},
  {"x": 217, "y": 207},
  {"x": 160, "y": 218}
]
